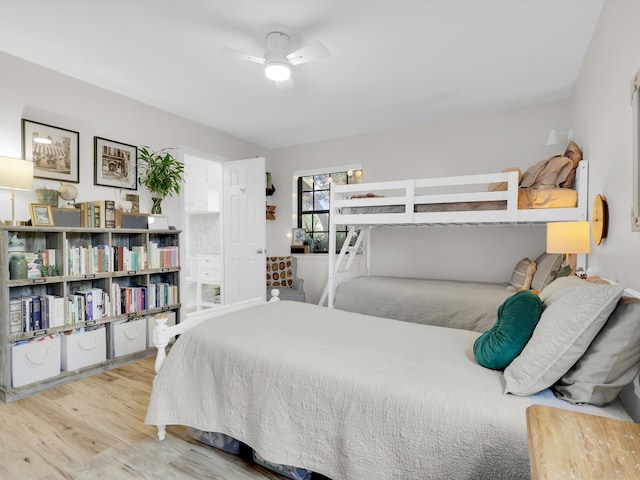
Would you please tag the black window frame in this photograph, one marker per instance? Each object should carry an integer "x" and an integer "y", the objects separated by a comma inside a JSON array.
[{"x": 319, "y": 238}]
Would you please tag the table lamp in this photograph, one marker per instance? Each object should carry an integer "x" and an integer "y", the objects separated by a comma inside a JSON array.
[
  {"x": 17, "y": 174},
  {"x": 568, "y": 238}
]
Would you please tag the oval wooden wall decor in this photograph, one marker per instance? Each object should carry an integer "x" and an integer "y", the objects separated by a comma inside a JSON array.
[{"x": 600, "y": 222}]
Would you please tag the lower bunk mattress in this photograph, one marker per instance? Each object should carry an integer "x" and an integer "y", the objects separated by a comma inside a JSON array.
[
  {"x": 348, "y": 396},
  {"x": 465, "y": 305}
]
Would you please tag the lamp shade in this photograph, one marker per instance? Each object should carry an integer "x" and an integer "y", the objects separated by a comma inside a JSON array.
[
  {"x": 568, "y": 237},
  {"x": 16, "y": 173}
]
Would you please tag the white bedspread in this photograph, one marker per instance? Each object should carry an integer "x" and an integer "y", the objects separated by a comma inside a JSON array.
[{"x": 345, "y": 395}]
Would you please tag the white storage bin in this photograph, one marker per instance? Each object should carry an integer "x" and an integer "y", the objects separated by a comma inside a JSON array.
[
  {"x": 151, "y": 324},
  {"x": 83, "y": 349},
  {"x": 35, "y": 360},
  {"x": 128, "y": 337}
]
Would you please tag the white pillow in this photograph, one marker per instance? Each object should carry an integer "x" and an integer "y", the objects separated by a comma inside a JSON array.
[{"x": 565, "y": 330}]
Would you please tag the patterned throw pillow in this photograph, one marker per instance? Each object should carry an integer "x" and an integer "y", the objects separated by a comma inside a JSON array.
[{"x": 279, "y": 272}]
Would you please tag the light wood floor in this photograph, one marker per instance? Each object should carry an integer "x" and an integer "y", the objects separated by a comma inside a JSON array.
[{"x": 94, "y": 429}]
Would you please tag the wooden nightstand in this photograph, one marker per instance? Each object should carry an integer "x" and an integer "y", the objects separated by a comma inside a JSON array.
[{"x": 564, "y": 444}]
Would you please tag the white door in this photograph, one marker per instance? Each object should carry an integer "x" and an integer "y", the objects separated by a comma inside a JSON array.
[{"x": 244, "y": 230}]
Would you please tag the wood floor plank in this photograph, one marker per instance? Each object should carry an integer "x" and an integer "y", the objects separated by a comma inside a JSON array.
[{"x": 94, "y": 429}]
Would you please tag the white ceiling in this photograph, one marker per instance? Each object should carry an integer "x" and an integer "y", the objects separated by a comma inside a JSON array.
[{"x": 393, "y": 63}]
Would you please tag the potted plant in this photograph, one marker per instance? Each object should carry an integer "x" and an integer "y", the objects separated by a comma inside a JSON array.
[{"x": 160, "y": 173}]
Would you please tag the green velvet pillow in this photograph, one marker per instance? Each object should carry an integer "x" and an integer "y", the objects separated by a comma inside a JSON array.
[{"x": 517, "y": 317}]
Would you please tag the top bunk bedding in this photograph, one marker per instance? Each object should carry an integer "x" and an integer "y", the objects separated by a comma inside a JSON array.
[{"x": 552, "y": 190}]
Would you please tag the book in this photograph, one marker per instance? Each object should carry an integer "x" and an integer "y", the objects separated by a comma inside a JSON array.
[
  {"x": 106, "y": 213},
  {"x": 15, "y": 316},
  {"x": 36, "y": 313}
]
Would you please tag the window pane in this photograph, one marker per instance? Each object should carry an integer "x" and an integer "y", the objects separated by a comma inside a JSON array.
[
  {"x": 307, "y": 201},
  {"x": 307, "y": 222},
  {"x": 321, "y": 222},
  {"x": 355, "y": 176},
  {"x": 339, "y": 178},
  {"x": 307, "y": 184},
  {"x": 340, "y": 238},
  {"x": 321, "y": 242},
  {"x": 321, "y": 200},
  {"x": 322, "y": 181}
]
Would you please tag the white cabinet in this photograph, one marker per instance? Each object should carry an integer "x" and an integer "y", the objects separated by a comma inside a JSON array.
[
  {"x": 209, "y": 280},
  {"x": 203, "y": 192}
]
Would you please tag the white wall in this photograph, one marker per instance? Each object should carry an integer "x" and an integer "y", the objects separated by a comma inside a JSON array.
[
  {"x": 601, "y": 109},
  {"x": 42, "y": 95},
  {"x": 479, "y": 144}
]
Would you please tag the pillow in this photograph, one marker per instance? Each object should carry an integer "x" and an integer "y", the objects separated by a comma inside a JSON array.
[
  {"x": 559, "y": 285},
  {"x": 548, "y": 173},
  {"x": 523, "y": 274},
  {"x": 573, "y": 152},
  {"x": 565, "y": 330},
  {"x": 610, "y": 363},
  {"x": 545, "y": 264},
  {"x": 499, "y": 186},
  {"x": 279, "y": 272},
  {"x": 517, "y": 317}
]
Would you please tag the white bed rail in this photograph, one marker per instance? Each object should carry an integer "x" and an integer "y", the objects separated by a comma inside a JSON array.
[{"x": 405, "y": 194}]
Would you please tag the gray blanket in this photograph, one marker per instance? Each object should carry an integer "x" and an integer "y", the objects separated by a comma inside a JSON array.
[{"x": 465, "y": 305}]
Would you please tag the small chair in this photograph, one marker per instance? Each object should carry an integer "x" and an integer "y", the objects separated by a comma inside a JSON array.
[{"x": 281, "y": 274}]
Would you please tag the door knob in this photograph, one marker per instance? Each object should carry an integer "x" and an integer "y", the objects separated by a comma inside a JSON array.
[{"x": 259, "y": 250}]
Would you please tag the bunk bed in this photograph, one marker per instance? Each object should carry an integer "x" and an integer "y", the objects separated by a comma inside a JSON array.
[{"x": 486, "y": 199}]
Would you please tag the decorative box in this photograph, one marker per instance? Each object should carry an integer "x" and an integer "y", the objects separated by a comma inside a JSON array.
[
  {"x": 82, "y": 349},
  {"x": 35, "y": 359}
]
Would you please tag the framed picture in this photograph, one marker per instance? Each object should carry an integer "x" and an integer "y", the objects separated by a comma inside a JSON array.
[
  {"x": 134, "y": 198},
  {"x": 41, "y": 215},
  {"x": 297, "y": 236},
  {"x": 115, "y": 164},
  {"x": 53, "y": 150}
]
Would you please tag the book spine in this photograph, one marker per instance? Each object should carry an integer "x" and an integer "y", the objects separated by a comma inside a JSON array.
[
  {"x": 15, "y": 316},
  {"x": 36, "y": 313}
]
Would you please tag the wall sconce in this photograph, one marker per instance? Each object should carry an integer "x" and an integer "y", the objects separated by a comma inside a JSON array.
[
  {"x": 17, "y": 175},
  {"x": 554, "y": 136},
  {"x": 568, "y": 238}
]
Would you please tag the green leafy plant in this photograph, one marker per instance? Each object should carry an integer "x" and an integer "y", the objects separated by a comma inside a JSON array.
[{"x": 160, "y": 173}]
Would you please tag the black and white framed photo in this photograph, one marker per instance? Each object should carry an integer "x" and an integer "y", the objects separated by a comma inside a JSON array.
[
  {"x": 53, "y": 150},
  {"x": 115, "y": 164}
]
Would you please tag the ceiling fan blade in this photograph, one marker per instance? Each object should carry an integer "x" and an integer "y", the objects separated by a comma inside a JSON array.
[
  {"x": 285, "y": 84},
  {"x": 243, "y": 55},
  {"x": 314, "y": 51}
]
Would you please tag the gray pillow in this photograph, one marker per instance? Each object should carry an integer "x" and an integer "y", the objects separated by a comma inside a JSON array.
[
  {"x": 610, "y": 363},
  {"x": 558, "y": 285},
  {"x": 545, "y": 264},
  {"x": 522, "y": 275},
  {"x": 565, "y": 330}
]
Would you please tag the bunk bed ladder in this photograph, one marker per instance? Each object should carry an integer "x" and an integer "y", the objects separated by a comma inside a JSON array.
[{"x": 332, "y": 283}]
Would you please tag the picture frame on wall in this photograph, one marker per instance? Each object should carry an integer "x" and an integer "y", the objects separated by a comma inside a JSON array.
[
  {"x": 41, "y": 215},
  {"x": 115, "y": 164},
  {"x": 53, "y": 150}
]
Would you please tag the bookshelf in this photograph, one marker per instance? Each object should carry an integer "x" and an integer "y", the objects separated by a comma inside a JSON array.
[{"x": 99, "y": 282}]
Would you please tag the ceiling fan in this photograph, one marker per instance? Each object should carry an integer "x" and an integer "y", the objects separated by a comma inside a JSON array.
[{"x": 278, "y": 60}]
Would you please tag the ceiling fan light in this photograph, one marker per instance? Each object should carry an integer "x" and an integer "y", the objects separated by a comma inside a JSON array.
[{"x": 277, "y": 71}]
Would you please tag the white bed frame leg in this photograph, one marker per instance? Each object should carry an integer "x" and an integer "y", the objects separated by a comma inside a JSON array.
[{"x": 160, "y": 341}]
